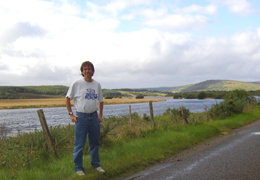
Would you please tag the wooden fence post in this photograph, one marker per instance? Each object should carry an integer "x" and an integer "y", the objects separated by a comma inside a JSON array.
[
  {"x": 130, "y": 119},
  {"x": 206, "y": 111},
  {"x": 183, "y": 116},
  {"x": 46, "y": 131},
  {"x": 151, "y": 113}
]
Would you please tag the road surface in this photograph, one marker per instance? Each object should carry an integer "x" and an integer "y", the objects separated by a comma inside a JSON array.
[{"x": 235, "y": 156}]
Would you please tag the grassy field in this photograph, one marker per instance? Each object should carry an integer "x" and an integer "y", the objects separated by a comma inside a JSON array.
[{"x": 59, "y": 102}]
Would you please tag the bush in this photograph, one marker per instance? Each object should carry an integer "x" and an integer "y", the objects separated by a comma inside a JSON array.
[
  {"x": 108, "y": 97},
  {"x": 139, "y": 97},
  {"x": 3, "y": 131},
  {"x": 191, "y": 96},
  {"x": 177, "y": 96},
  {"x": 146, "y": 117},
  {"x": 176, "y": 114},
  {"x": 237, "y": 94},
  {"x": 234, "y": 102},
  {"x": 202, "y": 95}
]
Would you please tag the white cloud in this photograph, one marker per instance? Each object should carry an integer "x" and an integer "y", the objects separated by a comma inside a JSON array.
[
  {"x": 22, "y": 29},
  {"x": 169, "y": 18},
  {"x": 210, "y": 9},
  {"x": 128, "y": 17},
  {"x": 70, "y": 9},
  {"x": 246, "y": 43},
  {"x": 179, "y": 22},
  {"x": 3, "y": 67},
  {"x": 240, "y": 7},
  {"x": 117, "y": 6}
]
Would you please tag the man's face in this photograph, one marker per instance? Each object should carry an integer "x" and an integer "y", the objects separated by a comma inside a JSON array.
[{"x": 87, "y": 71}]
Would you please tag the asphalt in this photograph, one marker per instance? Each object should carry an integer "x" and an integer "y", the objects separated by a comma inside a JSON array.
[{"x": 235, "y": 156}]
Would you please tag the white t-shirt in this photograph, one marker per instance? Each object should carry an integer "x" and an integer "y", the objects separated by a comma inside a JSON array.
[{"x": 85, "y": 95}]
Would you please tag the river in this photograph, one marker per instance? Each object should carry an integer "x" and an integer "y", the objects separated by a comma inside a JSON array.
[{"x": 26, "y": 120}]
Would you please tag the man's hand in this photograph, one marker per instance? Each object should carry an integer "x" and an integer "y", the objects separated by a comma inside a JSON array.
[
  {"x": 100, "y": 108},
  {"x": 100, "y": 117},
  {"x": 73, "y": 118}
]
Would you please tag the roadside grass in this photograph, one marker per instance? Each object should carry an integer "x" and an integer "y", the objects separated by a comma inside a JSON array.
[
  {"x": 236, "y": 121},
  {"x": 122, "y": 152}
]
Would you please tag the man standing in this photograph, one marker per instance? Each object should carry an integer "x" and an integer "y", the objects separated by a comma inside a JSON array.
[{"x": 88, "y": 99}]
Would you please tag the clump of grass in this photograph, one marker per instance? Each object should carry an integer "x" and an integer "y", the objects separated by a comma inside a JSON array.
[
  {"x": 3, "y": 131},
  {"x": 23, "y": 150}
]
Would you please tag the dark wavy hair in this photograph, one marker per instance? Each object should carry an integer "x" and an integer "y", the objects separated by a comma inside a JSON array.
[{"x": 87, "y": 63}]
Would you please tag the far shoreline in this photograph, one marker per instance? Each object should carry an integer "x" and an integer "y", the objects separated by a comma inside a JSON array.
[{"x": 60, "y": 102}]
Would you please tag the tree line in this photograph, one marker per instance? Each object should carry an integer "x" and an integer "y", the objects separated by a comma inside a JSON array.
[{"x": 208, "y": 94}]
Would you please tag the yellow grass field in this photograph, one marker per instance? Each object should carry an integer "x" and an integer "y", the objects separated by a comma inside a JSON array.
[{"x": 59, "y": 102}]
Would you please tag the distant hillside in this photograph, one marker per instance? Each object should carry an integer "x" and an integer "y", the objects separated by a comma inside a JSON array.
[
  {"x": 31, "y": 92},
  {"x": 258, "y": 82},
  {"x": 160, "y": 88},
  {"x": 218, "y": 85}
]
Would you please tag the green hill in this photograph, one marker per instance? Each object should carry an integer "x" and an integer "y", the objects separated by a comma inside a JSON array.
[
  {"x": 218, "y": 85},
  {"x": 32, "y": 92}
]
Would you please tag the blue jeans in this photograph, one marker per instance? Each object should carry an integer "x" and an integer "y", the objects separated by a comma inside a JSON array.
[{"x": 88, "y": 125}]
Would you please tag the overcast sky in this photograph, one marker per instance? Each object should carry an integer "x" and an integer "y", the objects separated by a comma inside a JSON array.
[{"x": 132, "y": 43}]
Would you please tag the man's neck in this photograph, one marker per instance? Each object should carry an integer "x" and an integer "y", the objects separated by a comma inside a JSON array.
[{"x": 88, "y": 79}]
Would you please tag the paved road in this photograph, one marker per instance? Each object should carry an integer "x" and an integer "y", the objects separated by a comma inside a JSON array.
[{"x": 230, "y": 157}]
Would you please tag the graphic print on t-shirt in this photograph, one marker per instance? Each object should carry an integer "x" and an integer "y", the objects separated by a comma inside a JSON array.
[{"x": 91, "y": 94}]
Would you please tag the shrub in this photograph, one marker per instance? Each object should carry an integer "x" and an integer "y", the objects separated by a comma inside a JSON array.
[
  {"x": 190, "y": 96},
  {"x": 167, "y": 111},
  {"x": 202, "y": 95},
  {"x": 139, "y": 97},
  {"x": 237, "y": 94},
  {"x": 3, "y": 131},
  {"x": 177, "y": 96},
  {"x": 145, "y": 117},
  {"x": 234, "y": 102},
  {"x": 176, "y": 114}
]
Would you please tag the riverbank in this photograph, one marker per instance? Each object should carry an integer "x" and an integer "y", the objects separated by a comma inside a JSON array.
[{"x": 60, "y": 102}]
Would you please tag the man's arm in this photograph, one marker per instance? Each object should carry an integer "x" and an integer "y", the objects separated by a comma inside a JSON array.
[
  {"x": 68, "y": 105},
  {"x": 100, "y": 107}
]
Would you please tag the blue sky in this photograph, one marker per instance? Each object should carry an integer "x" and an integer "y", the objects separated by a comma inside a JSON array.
[{"x": 133, "y": 44}]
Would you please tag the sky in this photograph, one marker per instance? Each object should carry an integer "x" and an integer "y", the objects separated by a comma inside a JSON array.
[{"x": 132, "y": 44}]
